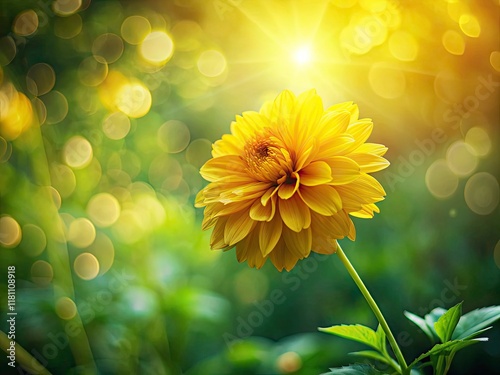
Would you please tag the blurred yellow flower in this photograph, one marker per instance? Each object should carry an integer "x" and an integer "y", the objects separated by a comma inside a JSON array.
[{"x": 286, "y": 179}]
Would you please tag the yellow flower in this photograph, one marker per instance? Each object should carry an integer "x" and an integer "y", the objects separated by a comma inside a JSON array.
[{"x": 286, "y": 179}]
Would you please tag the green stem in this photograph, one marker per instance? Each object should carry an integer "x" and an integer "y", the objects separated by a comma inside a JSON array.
[{"x": 375, "y": 309}]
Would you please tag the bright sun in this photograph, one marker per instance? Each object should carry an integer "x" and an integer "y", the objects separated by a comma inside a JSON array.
[{"x": 302, "y": 55}]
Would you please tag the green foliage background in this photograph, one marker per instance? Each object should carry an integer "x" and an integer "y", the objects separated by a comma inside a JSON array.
[{"x": 163, "y": 302}]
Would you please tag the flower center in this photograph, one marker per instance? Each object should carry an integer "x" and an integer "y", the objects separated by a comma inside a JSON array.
[{"x": 266, "y": 159}]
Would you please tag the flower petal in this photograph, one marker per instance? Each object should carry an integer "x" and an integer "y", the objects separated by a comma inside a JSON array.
[
  {"x": 231, "y": 208},
  {"x": 295, "y": 213},
  {"x": 346, "y": 106},
  {"x": 247, "y": 125},
  {"x": 323, "y": 199},
  {"x": 228, "y": 145},
  {"x": 310, "y": 109},
  {"x": 248, "y": 250},
  {"x": 322, "y": 244},
  {"x": 269, "y": 235},
  {"x": 308, "y": 154},
  {"x": 223, "y": 166},
  {"x": 283, "y": 108},
  {"x": 309, "y": 112},
  {"x": 335, "y": 146},
  {"x": 344, "y": 170},
  {"x": 298, "y": 243},
  {"x": 366, "y": 189},
  {"x": 217, "y": 241},
  {"x": 287, "y": 190},
  {"x": 316, "y": 173},
  {"x": 360, "y": 130},
  {"x": 259, "y": 212},
  {"x": 334, "y": 226},
  {"x": 371, "y": 148},
  {"x": 333, "y": 123},
  {"x": 352, "y": 231},
  {"x": 369, "y": 163},
  {"x": 268, "y": 194},
  {"x": 238, "y": 226},
  {"x": 366, "y": 212},
  {"x": 282, "y": 258},
  {"x": 200, "y": 198}
]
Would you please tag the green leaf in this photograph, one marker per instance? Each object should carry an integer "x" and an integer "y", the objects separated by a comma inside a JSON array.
[
  {"x": 422, "y": 324},
  {"x": 447, "y": 322},
  {"x": 382, "y": 342},
  {"x": 357, "y": 332},
  {"x": 372, "y": 354},
  {"x": 432, "y": 317},
  {"x": 447, "y": 348},
  {"x": 356, "y": 369},
  {"x": 477, "y": 333},
  {"x": 476, "y": 320}
]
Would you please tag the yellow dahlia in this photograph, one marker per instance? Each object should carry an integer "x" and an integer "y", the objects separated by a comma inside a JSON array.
[{"x": 286, "y": 179}]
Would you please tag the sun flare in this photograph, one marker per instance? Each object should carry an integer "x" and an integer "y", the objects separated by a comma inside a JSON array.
[{"x": 302, "y": 55}]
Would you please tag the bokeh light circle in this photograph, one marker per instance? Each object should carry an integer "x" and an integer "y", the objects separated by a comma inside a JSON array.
[
  {"x": 495, "y": 60},
  {"x": 86, "y": 266},
  {"x": 4, "y": 149},
  {"x": 403, "y": 46},
  {"x": 40, "y": 79},
  {"x": 56, "y": 105},
  {"x": 25, "y": 23},
  {"x": 39, "y": 110},
  {"x": 198, "y": 152},
  {"x": 134, "y": 29},
  {"x": 453, "y": 42},
  {"x": 77, "y": 152},
  {"x": 63, "y": 179},
  {"x": 65, "y": 308},
  {"x": 10, "y": 232},
  {"x": 103, "y": 209},
  {"x": 165, "y": 173},
  {"x": 289, "y": 362},
  {"x": 496, "y": 254},
  {"x": 116, "y": 125},
  {"x": 173, "y": 136},
  {"x": 68, "y": 27},
  {"x": 34, "y": 240},
  {"x": 440, "y": 180},
  {"x": 461, "y": 159},
  {"x": 16, "y": 115},
  {"x": 42, "y": 273},
  {"x": 8, "y": 50},
  {"x": 387, "y": 82},
  {"x": 66, "y": 7},
  {"x": 93, "y": 71},
  {"x": 134, "y": 99},
  {"x": 211, "y": 63},
  {"x": 81, "y": 233},
  {"x": 482, "y": 193},
  {"x": 469, "y": 25},
  {"x": 102, "y": 248},
  {"x": 108, "y": 46},
  {"x": 157, "y": 47},
  {"x": 479, "y": 140}
]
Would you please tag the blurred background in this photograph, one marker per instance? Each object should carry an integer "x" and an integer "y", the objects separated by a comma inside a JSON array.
[{"x": 109, "y": 108}]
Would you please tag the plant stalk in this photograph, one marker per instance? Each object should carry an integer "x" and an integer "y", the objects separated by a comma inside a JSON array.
[{"x": 375, "y": 309}]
